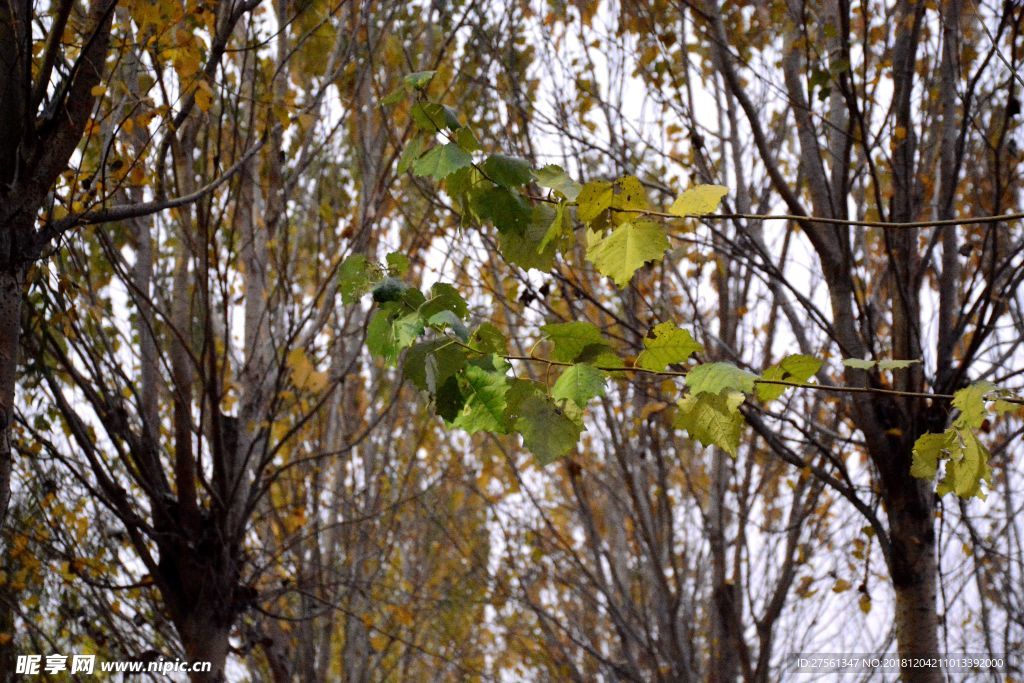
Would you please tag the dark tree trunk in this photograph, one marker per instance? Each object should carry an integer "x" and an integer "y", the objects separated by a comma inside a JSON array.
[
  {"x": 204, "y": 635},
  {"x": 199, "y": 584},
  {"x": 10, "y": 327}
]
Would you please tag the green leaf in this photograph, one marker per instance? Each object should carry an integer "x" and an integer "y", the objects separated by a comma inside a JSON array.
[
  {"x": 559, "y": 231},
  {"x": 441, "y": 161},
  {"x": 448, "y": 401},
  {"x": 466, "y": 139},
  {"x": 393, "y": 97},
  {"x": 698, "y": 200},
  {"x": 432, "y": 117},
  {"x": 1001, "y": 407},
  {"x": 507, "y": 171},
  {"x": 600, "y": 356},
  {"x": 714, "y": 378},
  {"x": 665, "y": 345},
  {"x": 430, "y": 364},
  {"x": 554, "y": 177},
  {"x": 796, "y": 368},
  {"x": 884, "y": 364},
  {"x": 389, "y": 289},
  {"x": 570, "y": 339},
  {"x": 489, "y": 339},
  {"x": 712, "y": 419},
  {"x": 891, "y": 364},
  {"x": 484, "y": 390},
  {"x": 970, "y": 401},
  {"x": 354, "y": 278},
  {"x": 462, "y": 187},
  {"x": 388, "y": 333},
  {"x": 444, "y": 297},
  {"x": 626, "y": 249},
  {"x": 406, "y": 329},
  {"x": 965, "y": 456},
  {"x": 526, "y": 249},
  {"x": 504, "y": 208},
  {"x": 411, "y": 152},
  {"x": 928, "y": 450},
  {"x": 378, "y": 336},
  {"x": 446, "y": 318},
  {"x": 579, "y": 383},
  {"x": 548, "y": 430},
  {"x": 419, "y": 79},
  {"x": 398, "y": 263}
]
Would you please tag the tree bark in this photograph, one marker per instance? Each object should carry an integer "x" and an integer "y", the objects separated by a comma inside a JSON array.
[
  {"x": 11, "y": 290},
  {"x": 914, "y": 568},
  {"x": 205, "y": 639}
]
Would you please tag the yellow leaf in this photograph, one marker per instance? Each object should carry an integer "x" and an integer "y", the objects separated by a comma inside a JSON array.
[
  {"x": 204, "y": 96},
  {"x": 651, "y": 408},
  {"x": 304, "y": 375},
  {"x": 98, "y": 90},
  {"x": 840, "y": 586},
  {"x": 379, "y": 642},
  {"x": 698, "y": 200},
  {"x": 404, "y": 616},
  {"x": 864, "y": 603}
]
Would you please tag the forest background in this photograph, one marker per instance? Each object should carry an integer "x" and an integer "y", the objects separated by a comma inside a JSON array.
[{"x": 681, "y": 436}]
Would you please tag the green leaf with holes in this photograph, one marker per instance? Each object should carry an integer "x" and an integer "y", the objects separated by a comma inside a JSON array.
[
  {"x": 549, "y": 430},
  {"x": 355, "y": 277}
]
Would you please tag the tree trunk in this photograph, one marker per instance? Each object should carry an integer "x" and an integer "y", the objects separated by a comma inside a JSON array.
[
  {"x": 8, "y": 599},
  {"x": 205, "y": 638},
  {"x": 198, "y": 580},
  {"x": 914, "y": 570},
  {"x": 10, "y": 328},
  {"x": 917, "y": 622}
]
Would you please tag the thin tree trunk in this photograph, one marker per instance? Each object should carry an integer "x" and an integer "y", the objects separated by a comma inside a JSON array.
[{"x": 11, "y": 289}]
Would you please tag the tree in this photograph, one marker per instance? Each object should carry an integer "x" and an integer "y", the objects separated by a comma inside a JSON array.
[
  {"x": 231, "y": 403},
  {"x": 667, "y": 249},
  {"x": 877, "y": 287}
]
